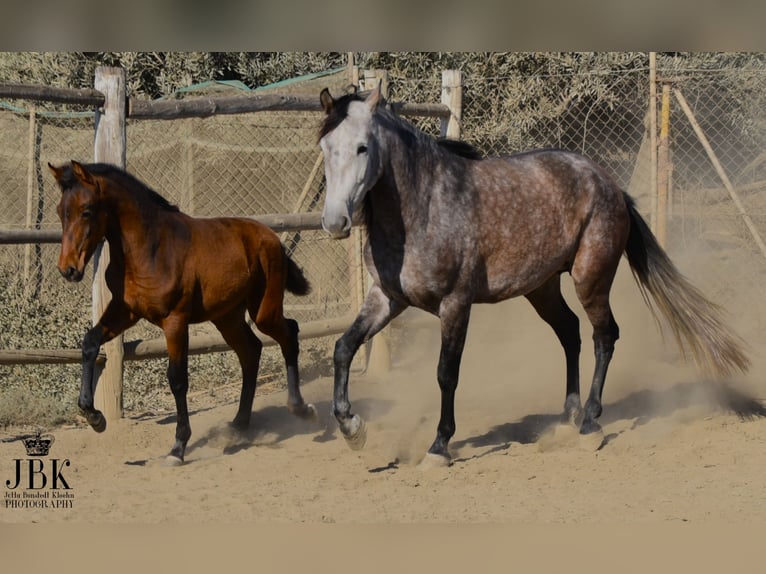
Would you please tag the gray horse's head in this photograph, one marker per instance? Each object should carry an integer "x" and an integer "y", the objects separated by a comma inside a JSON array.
[{"x": 352, "y": 158}]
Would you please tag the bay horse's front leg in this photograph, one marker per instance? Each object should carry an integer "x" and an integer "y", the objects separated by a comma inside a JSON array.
[
  {"x": 115, "y": 320},
  {"x": 177, "y": 337},
  {"x": 454, "y": 314},
  {"x": 376, "y": 312}
]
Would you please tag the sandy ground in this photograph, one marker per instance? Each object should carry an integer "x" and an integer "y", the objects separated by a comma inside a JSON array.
[{"x": 670, "y": 454}]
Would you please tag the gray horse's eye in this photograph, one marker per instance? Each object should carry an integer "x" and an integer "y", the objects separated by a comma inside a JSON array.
[{"x": 361, "y": 149}]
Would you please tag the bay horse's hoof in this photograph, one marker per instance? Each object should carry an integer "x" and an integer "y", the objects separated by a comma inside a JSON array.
[
  {"x": 172, "y": 460},
  {"x": 355, "y": 433},
  {"x": 97, "y": 421},
  {"x": 431, "y": 460}
]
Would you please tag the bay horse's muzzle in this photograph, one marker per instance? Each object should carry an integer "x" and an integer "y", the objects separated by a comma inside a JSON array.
[{"x": 72, "y": 274}]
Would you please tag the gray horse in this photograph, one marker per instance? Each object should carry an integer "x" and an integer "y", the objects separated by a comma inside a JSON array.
[{"x": 447, "y": 229}]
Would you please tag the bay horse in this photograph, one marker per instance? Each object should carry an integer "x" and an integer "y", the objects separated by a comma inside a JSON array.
[
  {"x": 173, "y": 270},
  {"x": 447, "y": 228}
]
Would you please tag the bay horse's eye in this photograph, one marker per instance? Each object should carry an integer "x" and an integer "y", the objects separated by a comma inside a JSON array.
[
  {"x": 86, "y": 213},
  {"x": 361, "y": 149}
]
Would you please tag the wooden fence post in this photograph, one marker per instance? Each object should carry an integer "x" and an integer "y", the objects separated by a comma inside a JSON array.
[
  {"x": 376, "y": 354},
  {"x": 663, "y": 168},
  {"x": 452, "y": 97},
  {"x": 32, "y": 193},
  {"x": 653, "y": 141},
  {"x": 109, "y": 147}
]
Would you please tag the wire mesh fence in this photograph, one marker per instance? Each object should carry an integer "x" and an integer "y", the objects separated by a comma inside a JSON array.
[{"x": 269, "y": 162}]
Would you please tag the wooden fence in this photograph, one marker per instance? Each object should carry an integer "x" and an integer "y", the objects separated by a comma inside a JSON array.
[{"x": 113, "y": 107}]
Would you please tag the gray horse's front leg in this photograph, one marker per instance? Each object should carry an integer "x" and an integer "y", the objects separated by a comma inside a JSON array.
[
  {"x": 377, "y": 311},
  {"x": 454, "y": 314}
]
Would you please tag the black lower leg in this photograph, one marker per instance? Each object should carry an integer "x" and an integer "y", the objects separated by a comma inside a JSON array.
[
  {"x": 178, "y": 377},
  {"x": 572, "y": 405},
  {"x": 448, "y": 377},
  {"x": 90, "y": 347},
  {"x": 604, "y": 348},
  {"x": 454, "y": 318},
  {"x": 553, "y": 309},
  {"x": 290, "y": 352},
  {"x": 345, "y": 349},
  {"x": 250, "y": 361}
]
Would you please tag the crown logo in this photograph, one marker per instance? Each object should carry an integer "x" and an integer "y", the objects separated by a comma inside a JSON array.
[{"x": 38, "y": 445}]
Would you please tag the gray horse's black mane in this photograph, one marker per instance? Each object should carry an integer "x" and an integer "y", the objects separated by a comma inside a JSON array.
[
  {"x": 461, "y": 148},
  {"x": 339, "y": 112},
  {"x": 120, "y": 176}
]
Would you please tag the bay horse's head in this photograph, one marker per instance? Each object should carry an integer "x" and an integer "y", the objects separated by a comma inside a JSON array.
[
  {"x": 352, "y": 159},
  {"x": 82, "y": 215}
]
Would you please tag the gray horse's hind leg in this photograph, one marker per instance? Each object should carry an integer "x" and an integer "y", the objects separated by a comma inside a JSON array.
[
  {"x": 553, "y": 309},
  {"x": 603, "y": 342},
  {"x": 377, "y": 311},
  {"x": 593, "y": 292}
]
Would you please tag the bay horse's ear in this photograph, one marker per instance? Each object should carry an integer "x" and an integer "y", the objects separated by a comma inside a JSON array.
[
  {"x": 82, "y": 174},
  {"x": 58, "y": 172},
  {"x": 327, "y": 100},
  {"x": 373, "y": 99}
]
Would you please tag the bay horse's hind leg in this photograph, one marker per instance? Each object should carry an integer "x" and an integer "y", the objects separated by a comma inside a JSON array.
[
  {"x": 269, "y": 318},
  {"x": 553, "y": 309},
  {"x": 240, "y": 337},
  {"x": 177, "y": 337}
]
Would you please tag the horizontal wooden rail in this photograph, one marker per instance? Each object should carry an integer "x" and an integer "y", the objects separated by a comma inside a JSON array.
[
  {"x": 44, "y": 357},
  {"x": 27, "y": 236},
  {"x": 206, "y": 107},
  {"x": 140, "y": 349},
  {"x": 214, "y": 343},
  {"x": 83, "y": 96},
  {"x": 277, "y": 221},
  {"x": 426, "y": 110},
  {"x": 168, "y": 109}
]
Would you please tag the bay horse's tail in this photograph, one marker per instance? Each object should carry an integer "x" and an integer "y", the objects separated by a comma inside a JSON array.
[
  {"x": 694, "y": 319},
  {"x": 297, "y": 283}
]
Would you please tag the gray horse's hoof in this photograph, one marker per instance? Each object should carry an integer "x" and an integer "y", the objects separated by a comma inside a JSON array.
[
  {"x": 355, "y": 433},
  {"x": 172, "y": 460},
  {"x": 306, "y": 411},
  {"x": 434, "y": 461},
  {"x": 592, "y": 441}
]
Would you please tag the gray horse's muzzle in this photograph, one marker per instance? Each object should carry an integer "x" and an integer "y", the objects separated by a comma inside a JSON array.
[{"x": 336, "y": 223}]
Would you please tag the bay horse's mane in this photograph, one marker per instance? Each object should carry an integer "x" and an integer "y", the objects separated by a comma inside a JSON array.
[
  {"x": 339, "y": 112},
  {"x": 121, "y": 177}
]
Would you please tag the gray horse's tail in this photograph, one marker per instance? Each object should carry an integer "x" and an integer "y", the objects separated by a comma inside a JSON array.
[{"x": 696, "y": 322}]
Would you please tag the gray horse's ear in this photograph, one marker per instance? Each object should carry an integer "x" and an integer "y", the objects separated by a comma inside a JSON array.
[
  {"x": 374, "y": 97},
  {"x": 327, "y": 100}
]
